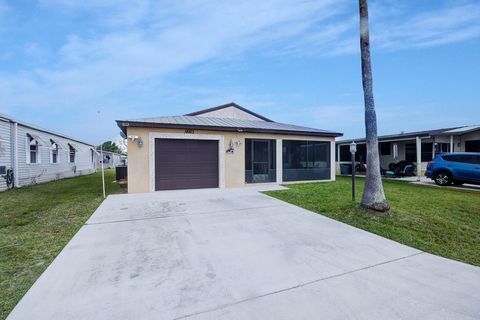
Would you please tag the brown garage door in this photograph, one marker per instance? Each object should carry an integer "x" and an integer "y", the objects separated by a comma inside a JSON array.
[{"x": 186, "y": 164}]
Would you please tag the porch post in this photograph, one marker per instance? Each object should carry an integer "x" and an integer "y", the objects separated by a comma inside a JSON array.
[
  {"x": 419, "y": 157},
  {"x": 333, "y": 163},
  {"x": 395, "y": 152},
  {"x": 451, "y": 143},
  {"x": 279, "y": 161}
]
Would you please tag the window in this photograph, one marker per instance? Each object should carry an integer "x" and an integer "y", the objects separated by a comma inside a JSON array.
[
  {"x": 463, "y": 158},
  {"x": 385, "y": 148},
  {"x": 410, "y": 152},
  {"x": 71, "y": 154},
  {"x": 345, "y": 153},
  {"x": 472, "y": 146},
  {"x": 361, "y": 154},
  {"x": 106, "y": 159},
  {"x": 427, "y": 151},
  {"x": 32, "y": 150},
  {"x": 442, "y": 147},
  {"x": 306, "y": 160},
  {"x": 54, "y": 152}
]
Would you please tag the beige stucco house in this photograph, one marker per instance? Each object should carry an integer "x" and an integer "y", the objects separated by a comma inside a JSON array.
[{"x": 224, "y": 147}]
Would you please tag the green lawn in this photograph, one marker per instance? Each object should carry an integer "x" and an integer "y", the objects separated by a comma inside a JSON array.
[
  {"x": 36, "y": 223},
  {"x": 445, "y": 222}
]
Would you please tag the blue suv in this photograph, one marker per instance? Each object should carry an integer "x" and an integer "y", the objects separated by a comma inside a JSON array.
[{"x": 456, "y": 168}]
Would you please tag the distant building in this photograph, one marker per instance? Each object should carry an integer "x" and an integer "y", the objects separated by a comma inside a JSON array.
[
  {"x": 110, "y": 159},
  {"x": 417, "y": 147},
  {"x": 30, "y": 155}
]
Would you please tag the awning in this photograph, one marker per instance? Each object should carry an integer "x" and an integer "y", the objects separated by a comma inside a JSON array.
[
  {"x": 74, "y": 146},
  {"x": 58, "y": 144},
  {"x": 36, "y": 139}
]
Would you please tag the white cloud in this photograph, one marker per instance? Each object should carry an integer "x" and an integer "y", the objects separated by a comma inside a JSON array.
[
  {"x": 158, "y": 40},
  {"x": 91, "y": 67},
  {"x": 443, "y": 26}
]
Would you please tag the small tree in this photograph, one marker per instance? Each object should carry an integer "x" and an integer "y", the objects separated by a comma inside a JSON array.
[
  {"x": 373, "y": 196},
  {"x": 110, "y": 146}
]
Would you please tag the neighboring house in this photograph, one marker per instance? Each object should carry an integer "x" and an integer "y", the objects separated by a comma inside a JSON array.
[
  {"x": 36, "y": 155},
  {"x": 226, "y": 146},
  {"x": 417, "y": 147},
  {"x": 110, "y": 159}
]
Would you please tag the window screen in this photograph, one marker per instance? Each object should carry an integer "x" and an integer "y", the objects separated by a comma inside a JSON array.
[
  {"x": 427, "y": 151},
  {"x": 385, "y": 148},
  {"x": 472, "y": 146},
  {"x": 71, "y": 154},
  {"x": 306, "y": 160}
]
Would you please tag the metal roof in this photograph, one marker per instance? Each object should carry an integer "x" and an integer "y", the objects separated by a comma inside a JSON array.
[
  {"x": 227, "y": 105},
  {"x": 461, "y": 130},
  {"x": 426, "y": 133},
  {"x": 224, "y": 124}
]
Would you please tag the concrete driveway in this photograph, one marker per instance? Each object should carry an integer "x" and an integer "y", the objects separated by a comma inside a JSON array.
[{"x": 239, "y": 254}]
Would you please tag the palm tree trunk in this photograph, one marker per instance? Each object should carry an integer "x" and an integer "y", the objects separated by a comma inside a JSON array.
[{"x": 373, "y": 195}]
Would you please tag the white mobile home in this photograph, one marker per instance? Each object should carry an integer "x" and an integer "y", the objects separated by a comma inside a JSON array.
[{"x": 30, "y": 155}]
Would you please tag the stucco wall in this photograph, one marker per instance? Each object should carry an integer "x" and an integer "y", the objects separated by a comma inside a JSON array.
[{"x": 234, "y": 171}]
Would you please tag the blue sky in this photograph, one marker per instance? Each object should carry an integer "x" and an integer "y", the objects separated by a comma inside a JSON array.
[{"x": 293, "y": 61}]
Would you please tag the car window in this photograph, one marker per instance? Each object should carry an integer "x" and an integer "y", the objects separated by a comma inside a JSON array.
[{"x": 462, "y": 158}]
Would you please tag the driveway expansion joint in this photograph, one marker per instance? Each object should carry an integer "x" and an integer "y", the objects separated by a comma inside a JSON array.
[
  {"x": 301, "y": 285},
  {"x": 185, "y": 214}
]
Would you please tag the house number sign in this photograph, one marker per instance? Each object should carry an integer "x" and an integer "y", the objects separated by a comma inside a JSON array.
[{"x": 189, "y": 131}]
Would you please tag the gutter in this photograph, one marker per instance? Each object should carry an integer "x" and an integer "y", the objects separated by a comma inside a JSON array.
[
  {"x": 123, "y": 125},
  {"x": 388, "y": 139}
]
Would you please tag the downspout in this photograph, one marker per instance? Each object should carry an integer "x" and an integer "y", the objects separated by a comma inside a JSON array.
[{"x": 15, "y": 154}]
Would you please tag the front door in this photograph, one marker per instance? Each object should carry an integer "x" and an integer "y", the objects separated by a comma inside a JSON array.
[{"x": 260, "y": 161}]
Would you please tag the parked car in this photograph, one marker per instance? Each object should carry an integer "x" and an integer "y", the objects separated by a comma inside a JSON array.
[{"x": 456, "y": 168}]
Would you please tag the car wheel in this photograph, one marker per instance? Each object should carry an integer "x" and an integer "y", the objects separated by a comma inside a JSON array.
[{"x": 443, "y": 178}]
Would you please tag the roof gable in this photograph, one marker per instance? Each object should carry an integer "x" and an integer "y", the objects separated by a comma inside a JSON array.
[{"x": 230, "y": 111}]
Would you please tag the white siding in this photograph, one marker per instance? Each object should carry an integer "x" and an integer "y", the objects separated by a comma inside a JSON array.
[
  {"x": 5, "y": 149},
  {"x": 31, "y": 173}
]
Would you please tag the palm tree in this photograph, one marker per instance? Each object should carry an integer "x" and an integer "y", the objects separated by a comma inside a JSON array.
[{"x": 373, "y": 196}]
